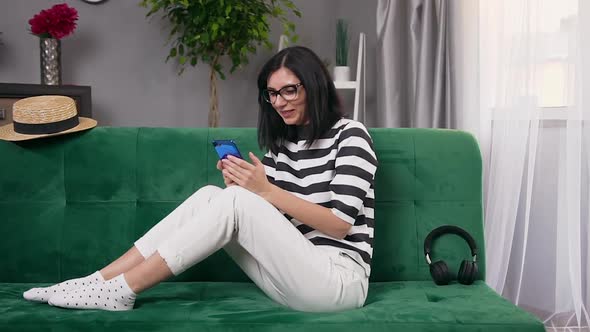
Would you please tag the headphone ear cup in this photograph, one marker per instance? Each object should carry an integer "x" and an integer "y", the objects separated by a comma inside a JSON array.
[
  {"x": 467, "y": 272},
  {"x": 440, "y": 273},
  {"x": 474, "y": 271}
]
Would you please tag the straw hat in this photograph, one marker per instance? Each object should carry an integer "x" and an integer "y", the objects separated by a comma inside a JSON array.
[{"x": 44, "y": 116}]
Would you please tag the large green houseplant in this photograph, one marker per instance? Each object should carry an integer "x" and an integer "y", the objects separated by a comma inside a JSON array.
[{"x": 208, "y": 30}]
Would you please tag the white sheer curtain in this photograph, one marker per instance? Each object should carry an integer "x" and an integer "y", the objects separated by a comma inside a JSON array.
[{"x": 533, "y": 125}]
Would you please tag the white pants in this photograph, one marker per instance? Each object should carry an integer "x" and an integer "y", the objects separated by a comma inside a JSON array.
[{"x": 272, "y": 252}]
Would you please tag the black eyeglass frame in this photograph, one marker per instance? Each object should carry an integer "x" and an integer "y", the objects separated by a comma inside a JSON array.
[{"x": 266, "y": 93}]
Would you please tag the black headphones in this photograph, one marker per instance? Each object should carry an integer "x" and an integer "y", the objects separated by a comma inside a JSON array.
[{"x": 439, "y": 269}]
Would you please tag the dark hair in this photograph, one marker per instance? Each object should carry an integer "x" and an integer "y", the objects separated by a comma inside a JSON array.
[{"x": 322, "y": 104}]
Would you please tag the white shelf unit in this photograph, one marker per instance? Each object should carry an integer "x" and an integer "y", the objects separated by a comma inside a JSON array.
[
  {"x": 345, "y": 84},
  {"x": 359, "y": 84}
]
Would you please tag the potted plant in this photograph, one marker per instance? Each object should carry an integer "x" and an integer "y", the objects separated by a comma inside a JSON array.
[
  {"x": 208, "y": 30},
  {"x": 342, "y": 70}
]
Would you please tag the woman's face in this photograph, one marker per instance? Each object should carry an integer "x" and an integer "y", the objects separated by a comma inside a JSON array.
[{"x": 290, "y": 102}]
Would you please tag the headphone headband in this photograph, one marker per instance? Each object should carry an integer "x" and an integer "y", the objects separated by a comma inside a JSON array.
[{"x": 449, "y": 229}]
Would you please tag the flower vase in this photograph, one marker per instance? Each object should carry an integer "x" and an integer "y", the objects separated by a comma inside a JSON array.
[{"x": 50, "y": 49}]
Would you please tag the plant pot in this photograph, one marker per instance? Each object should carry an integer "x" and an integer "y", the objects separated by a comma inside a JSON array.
[
  {"x": 341, "y": 73},
  {"x": 50, "y": 52}
]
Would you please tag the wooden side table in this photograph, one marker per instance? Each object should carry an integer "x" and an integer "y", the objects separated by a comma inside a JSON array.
[{"x": 11, "y": 92}]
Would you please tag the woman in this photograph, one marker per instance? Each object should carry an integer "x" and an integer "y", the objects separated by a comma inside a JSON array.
[{"x": 299, "y": 222}]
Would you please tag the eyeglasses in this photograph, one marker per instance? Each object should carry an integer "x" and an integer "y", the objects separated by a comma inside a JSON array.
[{"x": 288, "y": 92}]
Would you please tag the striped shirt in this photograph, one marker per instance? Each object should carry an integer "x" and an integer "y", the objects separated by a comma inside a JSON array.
[{"x": 337, "y": 172}]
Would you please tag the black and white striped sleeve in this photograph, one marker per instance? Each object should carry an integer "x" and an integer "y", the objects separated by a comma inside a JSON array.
[
  {"x": 269, "y": 166},
  {"x": 355, "y": 168}
]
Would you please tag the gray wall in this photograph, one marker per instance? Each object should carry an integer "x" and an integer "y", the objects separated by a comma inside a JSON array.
[{"x": 121, "y": 53}]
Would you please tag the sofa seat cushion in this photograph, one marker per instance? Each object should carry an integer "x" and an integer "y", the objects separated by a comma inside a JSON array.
[{"x": 227, "y": 306}]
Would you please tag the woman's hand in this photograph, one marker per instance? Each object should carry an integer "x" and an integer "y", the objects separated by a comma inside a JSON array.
[
  {"x": 253, "y": 177},
  {"x": 226, "y": 180},
  {"x": 246, "y": 175}
]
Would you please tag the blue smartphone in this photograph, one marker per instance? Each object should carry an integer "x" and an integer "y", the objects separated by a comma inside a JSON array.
[{"x": 225, "y": 147}]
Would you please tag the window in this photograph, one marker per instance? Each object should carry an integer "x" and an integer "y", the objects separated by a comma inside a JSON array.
[{"x": 557, "y": 64}]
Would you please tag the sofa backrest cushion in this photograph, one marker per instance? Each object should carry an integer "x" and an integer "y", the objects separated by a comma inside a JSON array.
[{"x": 71, "y": 204}]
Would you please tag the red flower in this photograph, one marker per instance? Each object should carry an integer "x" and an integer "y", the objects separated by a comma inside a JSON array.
[{"x": 57, "y": 22}]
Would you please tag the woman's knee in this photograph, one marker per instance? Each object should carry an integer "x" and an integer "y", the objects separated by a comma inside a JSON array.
[
  {"x": 242, "y": 200},
  {"x": 206, "y": 192},
  {"x": 210, "y": 189},
  {"x": 238, "y": 194},
  {"x": 235, "y": 190}
]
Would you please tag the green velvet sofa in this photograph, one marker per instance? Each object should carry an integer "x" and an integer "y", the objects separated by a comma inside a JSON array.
[{"x": 70, "y": 204}]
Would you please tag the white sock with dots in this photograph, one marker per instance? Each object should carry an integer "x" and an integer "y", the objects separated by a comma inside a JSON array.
[
  {"x": 42, "y": 294},
  {"x": 112, "y": 295}
]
